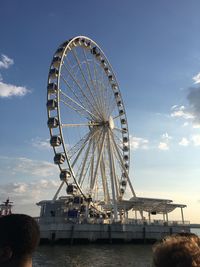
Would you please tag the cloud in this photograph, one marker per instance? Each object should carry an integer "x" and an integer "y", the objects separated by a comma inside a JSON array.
[
  {"x": 8, "y": 90},
  {"x": 196, "y": 139},
  {"x": 184, "y": 142},
  {"x": 138, "y": 143},
  {"x": 196, "y": 78},
  {"x": 35, "y": 167},
  {"x": 6, "y": 62},
  {"x": 166, "y": 137},
  {"x": 163, "y": 146},
  {"x": 41, "y": 144},
  {"x": 27, "y": 166},
  {"x": 181, "y": 112},
  {"x": 29, "y": 192},
  {"x": 25, "y": 195}
]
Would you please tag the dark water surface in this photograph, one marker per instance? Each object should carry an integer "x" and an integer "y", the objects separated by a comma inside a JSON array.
[{"x": 93, "y": 256}]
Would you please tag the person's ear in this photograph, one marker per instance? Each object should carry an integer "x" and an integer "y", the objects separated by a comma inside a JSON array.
[{"x": 5, "y": 254}]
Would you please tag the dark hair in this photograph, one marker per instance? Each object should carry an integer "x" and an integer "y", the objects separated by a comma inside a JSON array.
[
  {"x": 19, "y": 232},
  {"x": 181, "y": 250}
]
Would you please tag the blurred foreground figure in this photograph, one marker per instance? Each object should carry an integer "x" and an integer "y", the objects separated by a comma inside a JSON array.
[
  {"x": 181, "y": 250},
  {"x": 19, "y": 237}
]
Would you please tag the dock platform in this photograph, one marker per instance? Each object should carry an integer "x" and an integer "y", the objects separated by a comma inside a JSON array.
[{"x": 55, "y": 232}]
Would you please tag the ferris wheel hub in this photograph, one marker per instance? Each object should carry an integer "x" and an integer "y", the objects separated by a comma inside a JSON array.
[{"x": 111, "y": 123}]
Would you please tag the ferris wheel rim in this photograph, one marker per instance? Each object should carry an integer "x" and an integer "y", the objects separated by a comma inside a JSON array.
[{"x": 60, "y": 125}]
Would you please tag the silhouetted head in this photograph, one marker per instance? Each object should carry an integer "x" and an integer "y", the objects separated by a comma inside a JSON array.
[
  {"x": 181, "y": 250},
  {"x": 19, "y": 237}
]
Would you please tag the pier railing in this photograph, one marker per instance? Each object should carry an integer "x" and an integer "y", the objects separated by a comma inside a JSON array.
[
  {"x": 63, "y": 220},
  {"x": 156, "y": 222}
]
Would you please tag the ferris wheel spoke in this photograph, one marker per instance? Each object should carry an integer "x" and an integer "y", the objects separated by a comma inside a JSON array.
[
  {"x": 102, "y": 92},
  {"x": 123, "y": 167},
  {"x": 84, "y": 162},
  {"x": 116, "y": 117},
  {"x": 88, "y": 162},
  {"x": 89, "y": 104},
  {"x": 77, "y": 104},
  {"x": 90, "y": 166},
  {"x": 98, "y": 90},
  {"x": 104, "y": 180},
  {"x": 109, "y": 97},
  {"x": 78, "y": 100},
  {"x": 80, "y": 113},
  {"x": 84, "y": 176},
  {"x": 108, "y": 102},
  {"x": 89, "y": 124},
  {"x": 103, "y": 95},
  {"x": 87, "y": 85},
  {"x": 96, "y": 100},
  {"x": 120, "y": 142},
  {"x": 98, "y": 162},
  {"x": 105, "y": 86},
  {"x": 80, "y": 146},
  {"x": 120, "y": 130}
]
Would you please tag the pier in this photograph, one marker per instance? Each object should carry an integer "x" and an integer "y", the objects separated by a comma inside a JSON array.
[{"x": 56, "y": 230}]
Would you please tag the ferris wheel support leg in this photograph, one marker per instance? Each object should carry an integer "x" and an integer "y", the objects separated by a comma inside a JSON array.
[
  {"x": 87, "y": 212},
  {"x": 112, "y": 178},
  {"x": 58, "y": 191},
  {"x": 124, "y": 169}
]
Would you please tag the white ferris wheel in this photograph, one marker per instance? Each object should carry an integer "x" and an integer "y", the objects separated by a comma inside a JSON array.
[{"x": 88, "y": 125}]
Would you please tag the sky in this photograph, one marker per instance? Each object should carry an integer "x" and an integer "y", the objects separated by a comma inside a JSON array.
[{"x": 154, "y": 48}]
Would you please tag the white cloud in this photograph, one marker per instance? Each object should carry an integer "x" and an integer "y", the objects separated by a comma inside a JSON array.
[
  {"x": 19, "y": 188},
  {"x": 34, "y": 168},
  {"x": 196, "y": 78},
  {"x": 181, "y": 112},
  {"x": 138, "y": 143},
  {"x": 185, "y": 124},
  {"x": 184, "y": 142},
  {"x": 41, "y": 144},
  {"x": 196, "y": 139},
  {"x": 196, "y": 125},
  {"x": 29, "y": 192},
  {"x": 166, "y": 137},
  {"x": 8, "y": 90},
  {"x": 5, "y": 62},
  {"x": 163, "y": 146}
]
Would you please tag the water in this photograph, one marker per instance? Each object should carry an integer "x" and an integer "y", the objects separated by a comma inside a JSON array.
[
  {"x": 195, "y": 231},
  {"x": 126, "y": 255}
]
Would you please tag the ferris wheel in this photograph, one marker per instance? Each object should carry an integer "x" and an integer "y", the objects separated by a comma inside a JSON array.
[{"x": 88, "y": 124}]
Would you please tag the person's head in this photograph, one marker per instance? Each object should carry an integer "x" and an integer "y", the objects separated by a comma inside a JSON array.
[
  {"x": 181, "y": 250},
  {"x": 19, "y": 237}
]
